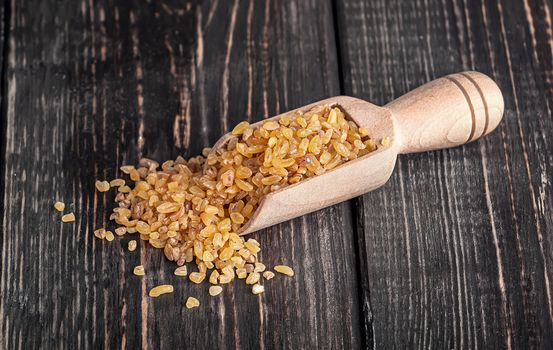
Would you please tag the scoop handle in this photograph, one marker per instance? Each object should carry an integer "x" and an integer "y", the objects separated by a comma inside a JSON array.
[{"x": 447, "y": 112}]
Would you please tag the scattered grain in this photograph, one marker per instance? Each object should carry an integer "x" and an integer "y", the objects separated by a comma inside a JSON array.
[
  {"x": 126, "y": 168},
  {"x": 285, "y": 270},
  {"x": 192, "y": 302},
  {"x": 161, "y": 289},
  {"x": 258, "y": 289},
  {"x": 252, "y": 278},
  {"x": 268, "y": 275},
  {"x": 139, "y": 270},
  {"x": 102, "y": 186},
  {"x": 100, "y": 233},
  {"x": 68, "y": 217},
  {"x": 197, "y": 277},
  {"x": 109, "y": 236},
  {"x": 60, "y": 206},
  {"x": 117, "y": 183},
  {"x": 213, "y": 277},
  {"x": 132, "y": 245},
  {"x": 181, "y": 271},
  {"x": 215, "y": 290},
  {"x": 259, "y": 267}
]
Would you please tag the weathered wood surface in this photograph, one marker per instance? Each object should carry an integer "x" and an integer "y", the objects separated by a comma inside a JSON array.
[
  {"x": 455, "y": 251},
  {"x": 458, "y": 245},
  {"x": 95, "y": 84}
]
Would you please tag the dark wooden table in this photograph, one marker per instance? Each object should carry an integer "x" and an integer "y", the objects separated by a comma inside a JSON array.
[{"x": 455, "y": 251}]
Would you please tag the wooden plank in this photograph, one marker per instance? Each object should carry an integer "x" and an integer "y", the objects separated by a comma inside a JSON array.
[
  {"x": 96, "y": 84},
  {"x": 458, "y": 245},
  {"x": 3, "y": 43}
]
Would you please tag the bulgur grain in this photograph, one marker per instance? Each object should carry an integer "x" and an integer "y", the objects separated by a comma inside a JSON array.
[
  {"x": 68, "y": 217},
  {"x": 223, "y": 279},
  {"x": 126, "y": 168},
  {"x": 239, "y": 129},
  {"x": 268, "y": 275},
  {"x": 259, "y": 267},
  {"x": 215, "y": 290},
  {"x": 60, "y": 206},
  {"x": 285, "y": 270},
  {"x": 139, "y": 270},
  {"x": 213, "y": 277},
  {"x": 197, "y": 277},
  {"x": 100, "y": 233},
  {"x": 117, "y": 182},
  {"x": 132, "y": 245},
  {"x": 192, "y": 302},
  {"x": 109, "y": 236},
  {"x": 241, "y": 273},
  {"x": 252, "y": 278},
  {"x": 258, "y": 289},
  {"x": 181, "y": 271},
  {"x": 102, "y": 186},
  {"x": 124, "y": 189},
  {"x": 161, "y": 289}
]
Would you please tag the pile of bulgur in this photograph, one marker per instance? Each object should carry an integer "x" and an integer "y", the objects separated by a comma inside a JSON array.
[{"x": 193, "y": 209}]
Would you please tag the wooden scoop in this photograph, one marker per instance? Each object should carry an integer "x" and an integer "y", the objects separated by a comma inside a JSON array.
[{"x": 446, "y": 112}]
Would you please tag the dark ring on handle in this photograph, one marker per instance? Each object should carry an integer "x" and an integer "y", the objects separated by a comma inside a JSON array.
[
  {"x": 473, "y": 116},
  {"x": 483, "y": 101}
]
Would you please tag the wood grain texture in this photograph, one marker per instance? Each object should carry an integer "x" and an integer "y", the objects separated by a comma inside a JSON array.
[
  {"x": 458, "y": 245},
  {"x": 95, "y": 84},
  {"x": 455, "y": 251}
]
